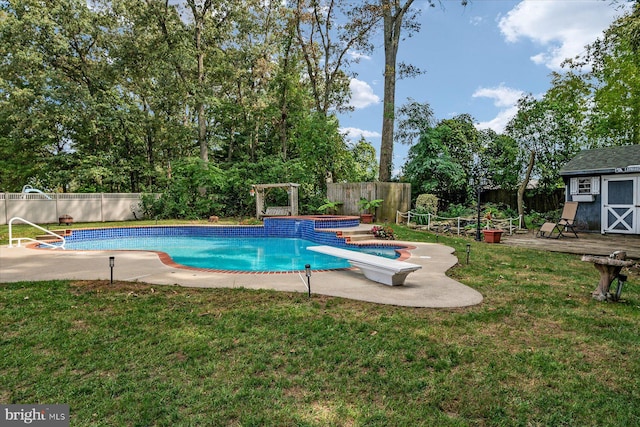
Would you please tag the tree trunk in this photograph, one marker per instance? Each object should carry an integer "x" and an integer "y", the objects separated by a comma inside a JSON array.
[
  {"x": 524, "y": 184},
  {"x": 202, "y": 117},
  {"x": 284, "y": 108},
  {"x": 393, "y": 14}
]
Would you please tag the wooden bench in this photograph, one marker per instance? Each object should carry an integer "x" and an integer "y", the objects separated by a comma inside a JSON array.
[
  {"x": 277, "y": 211},
  {"x": 379, "y": 269}
]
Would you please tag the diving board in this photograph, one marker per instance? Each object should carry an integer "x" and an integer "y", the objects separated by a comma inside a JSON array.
[{"x": 379, "y": 269}]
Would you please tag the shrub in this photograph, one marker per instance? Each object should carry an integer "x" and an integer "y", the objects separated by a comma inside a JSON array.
[
  {"x": 427, "y": 203},
  {"x": 456, "y": 210},
  {"x": 190, "y": 193}
]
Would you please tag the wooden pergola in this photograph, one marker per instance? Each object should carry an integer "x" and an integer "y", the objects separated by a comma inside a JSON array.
[{"x": 260, "y": 191}]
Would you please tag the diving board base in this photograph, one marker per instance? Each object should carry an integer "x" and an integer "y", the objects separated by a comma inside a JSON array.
[{"x": 381, "y": 275}]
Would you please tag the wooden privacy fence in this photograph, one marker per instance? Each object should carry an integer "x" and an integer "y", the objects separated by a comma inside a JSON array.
[
  {"x": 533, "y": 201},
  {"x": 83, "y": 207},
  {"x": 396, "y": 197}
]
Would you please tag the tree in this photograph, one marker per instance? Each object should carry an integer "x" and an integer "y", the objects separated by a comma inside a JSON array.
[
  {"x": 56, "y": 81},
  {"x": 322, "y": 150},
  {"x": 326, "y": 32},
  {"x": 396, "y": 16},
  {"x": 415, "y": 118},
  {"x": 500, "y": 160},
  {"x": 609, "y": 74},
  {"x": 364, "y": 161},
  {"x": 547, "y": 133},
  {"x": 461, "y": 139},
  {"x": 212, "y": 23},
  {"x": 256, "y": 84},
  {"x": 115, "y": 95},
  {"x": 393, "y": 13},
  {"x": 615, "y": 61},
  {"x": 441, "y": 162}
]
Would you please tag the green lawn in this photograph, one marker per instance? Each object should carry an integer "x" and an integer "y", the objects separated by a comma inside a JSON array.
[{"x": 537, "y": 351}]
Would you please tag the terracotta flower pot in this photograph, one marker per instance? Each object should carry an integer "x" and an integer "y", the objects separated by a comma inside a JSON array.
[
  {"x": 366, "y": 218},
  {"x": 65, "y": 219},
  {"x": 492, "y": 236}
]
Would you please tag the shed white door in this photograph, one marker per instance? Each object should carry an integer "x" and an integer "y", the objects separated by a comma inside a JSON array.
[{"x": 620, "y": 205}]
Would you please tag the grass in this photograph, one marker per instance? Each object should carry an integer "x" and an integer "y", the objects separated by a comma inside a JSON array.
[{"x": 537, "y": 351}]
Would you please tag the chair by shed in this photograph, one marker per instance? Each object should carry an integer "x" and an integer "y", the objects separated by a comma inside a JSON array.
[{"x": 566, "y": 222}]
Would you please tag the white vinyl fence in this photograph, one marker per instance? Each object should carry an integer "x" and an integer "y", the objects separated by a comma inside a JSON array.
[{"x": 47, "y": 208}]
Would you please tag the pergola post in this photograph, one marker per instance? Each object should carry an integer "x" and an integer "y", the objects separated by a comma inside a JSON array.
[{"x": 293, "y": 199}]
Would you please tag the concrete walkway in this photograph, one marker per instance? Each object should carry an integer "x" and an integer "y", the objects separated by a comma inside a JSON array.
[{"x": 427, "y": 287}]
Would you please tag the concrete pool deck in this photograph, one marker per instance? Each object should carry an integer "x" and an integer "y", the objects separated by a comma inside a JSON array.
[{"x": 427, "y": 287}]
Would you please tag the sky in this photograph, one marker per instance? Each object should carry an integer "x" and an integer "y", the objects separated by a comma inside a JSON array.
[{"x": 479, "y": 60}]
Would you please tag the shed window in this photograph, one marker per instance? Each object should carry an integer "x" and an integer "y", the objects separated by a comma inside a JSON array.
[{"x": 585, "y": 185}]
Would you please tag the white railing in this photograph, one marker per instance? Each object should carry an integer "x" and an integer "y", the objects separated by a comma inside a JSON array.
[
  {"x": 29, "y": 239},
  {"x": 507, "y": 223}
]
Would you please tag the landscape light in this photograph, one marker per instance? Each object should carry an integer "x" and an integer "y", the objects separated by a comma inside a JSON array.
[
  {"x": 307, "y": 272},
  {"x": 112, "y": 262}
]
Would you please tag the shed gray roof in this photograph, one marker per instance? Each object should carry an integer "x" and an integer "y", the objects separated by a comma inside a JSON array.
[{"x": 602, "y": 160}]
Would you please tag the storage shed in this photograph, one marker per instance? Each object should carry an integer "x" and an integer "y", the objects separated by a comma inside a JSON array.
[{"x": 606, "y": 183}]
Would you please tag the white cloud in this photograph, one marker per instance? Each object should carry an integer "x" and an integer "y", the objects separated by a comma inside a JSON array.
[
  {"x": 503, "y": 97},
  {"x": 355, "y": 133},
  {"x": 562, "y": 29},
  {"x": 357, "y": 56},
  {"x": 362, "y": 94},
  {"x": 499, "y": 122}
]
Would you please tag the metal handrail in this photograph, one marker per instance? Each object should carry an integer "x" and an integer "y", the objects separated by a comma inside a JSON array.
[{"x": 20, "y": 239}]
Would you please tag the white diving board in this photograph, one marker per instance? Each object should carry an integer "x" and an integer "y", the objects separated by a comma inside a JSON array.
[{"x": 379, "y": 269}]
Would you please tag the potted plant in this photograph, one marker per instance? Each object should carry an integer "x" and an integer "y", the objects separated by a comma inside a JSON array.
[
  {"x": 329, "y": 207},
  {"x": 491, "y": 235},
  {"x": 369, "y": 206}
]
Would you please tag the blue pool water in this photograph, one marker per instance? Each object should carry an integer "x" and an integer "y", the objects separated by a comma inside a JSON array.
[{"x": 254, "y": 254}]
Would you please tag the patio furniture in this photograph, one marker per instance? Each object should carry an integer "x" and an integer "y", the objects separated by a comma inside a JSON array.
[
  {"x": 566, "y": 222},
  {"x": 277, "y": 211}
]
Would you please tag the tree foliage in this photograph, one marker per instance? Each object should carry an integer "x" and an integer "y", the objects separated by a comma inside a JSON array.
[
  {"x": 441, "y": 163},
  {"x": 548, "y": 134},
  {"x": 606, "y": 81},
  {"x": 124, "y": 95},
  {"x": 595, "y": 103},
  {"x": 328, "y": 32}
]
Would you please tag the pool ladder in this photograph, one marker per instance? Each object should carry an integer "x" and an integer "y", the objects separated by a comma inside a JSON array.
[{"x": 29, "y": 239}]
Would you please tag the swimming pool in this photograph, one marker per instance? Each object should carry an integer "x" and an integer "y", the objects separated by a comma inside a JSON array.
[
  {"x": 255, "y": 254},
  {"x": 229, "y": 248}
]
